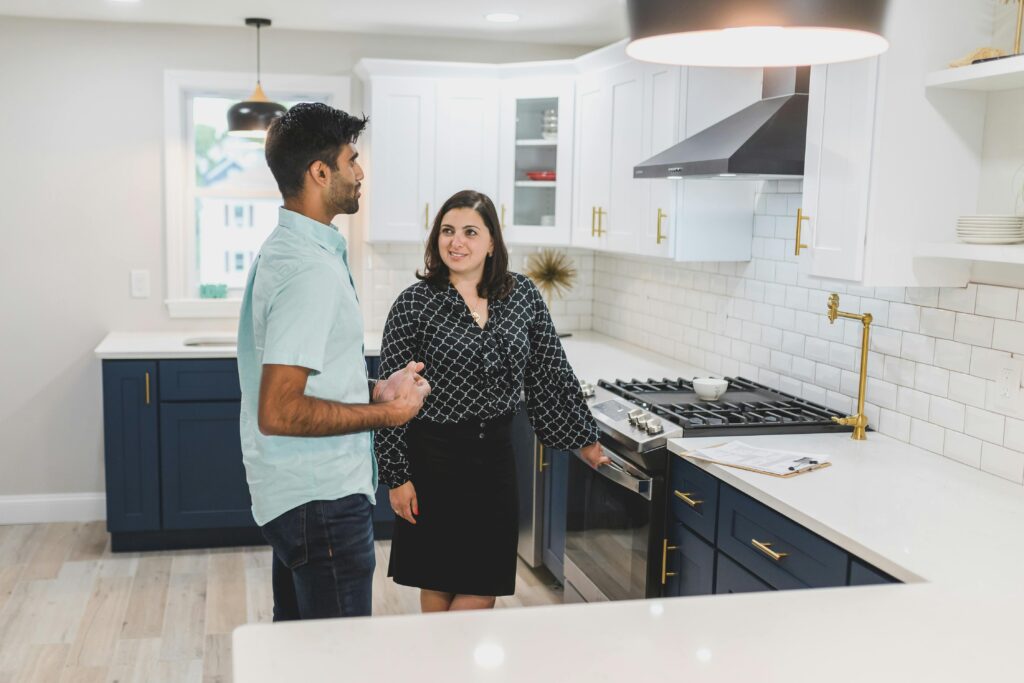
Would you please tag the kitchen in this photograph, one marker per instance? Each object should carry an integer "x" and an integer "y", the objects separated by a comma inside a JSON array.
[{"x": 717, "y": 287}]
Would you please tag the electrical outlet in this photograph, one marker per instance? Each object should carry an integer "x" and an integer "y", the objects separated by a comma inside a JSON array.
[
  {"x": 1007, "y": 393},
  {"x": 140, "y": 284}
]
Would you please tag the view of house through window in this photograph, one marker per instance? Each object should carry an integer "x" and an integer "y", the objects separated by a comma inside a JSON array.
[{"x": 236, "y": 198}]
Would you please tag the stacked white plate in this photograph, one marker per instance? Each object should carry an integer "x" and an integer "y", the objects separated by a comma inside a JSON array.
[{"x": 990, "y": 229}]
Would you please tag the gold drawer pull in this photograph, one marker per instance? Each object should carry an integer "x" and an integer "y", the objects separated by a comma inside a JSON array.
[
  {"x": 765, "y": 547},
  {"x": 665, "y": 547},
  {"x": 685, "y": 497}
]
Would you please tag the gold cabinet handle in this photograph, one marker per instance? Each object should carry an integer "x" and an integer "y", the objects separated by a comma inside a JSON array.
[
  {"x": 661, "y": 216},
  {"x": 426, "y": 216},
  {"x": 593, "y": 221},
  {"x": 601, "y": 213},
  {"x": 685, "y": 497},
  {"x": 765, "y": 547},
  {"x": 147, "y": 388},
  {"x": 665, "y": 547},
  {"x": 502, "y": 224},
  {"x": 800, "y": 218},
  {"x": 540, "y": 459}
]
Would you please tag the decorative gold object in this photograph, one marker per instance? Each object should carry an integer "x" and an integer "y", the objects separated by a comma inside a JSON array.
[
  {"x": 980, "y": 53},
  {"x": 858, "y": 421},
  {"x": 552, "y": 272}
]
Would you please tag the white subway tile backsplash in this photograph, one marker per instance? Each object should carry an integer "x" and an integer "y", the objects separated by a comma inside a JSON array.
[
  {"x": 1002, "y": 462},
  {"x": 926, "y": 435},
  {"x": 985, "y": 425},
  {"x": 963, "y": 448},
  {"x": 960, "y": 299},
  {"x": 1008, "y": 336},
  {"x": 996, "y": 302},
  {"x": 933, "y": 352}
]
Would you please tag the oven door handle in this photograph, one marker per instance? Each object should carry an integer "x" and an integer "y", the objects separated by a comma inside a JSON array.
[{"x": 619, "y": 471}]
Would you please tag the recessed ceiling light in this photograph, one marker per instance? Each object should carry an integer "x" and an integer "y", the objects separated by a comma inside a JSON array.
[{"x": 502, "y": 17}]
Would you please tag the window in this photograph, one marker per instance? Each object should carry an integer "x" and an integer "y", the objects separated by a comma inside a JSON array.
[{"x": 222, "y": 200}]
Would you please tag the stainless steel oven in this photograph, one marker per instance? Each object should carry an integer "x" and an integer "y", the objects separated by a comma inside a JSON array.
[{"x": 615, "y": 525}]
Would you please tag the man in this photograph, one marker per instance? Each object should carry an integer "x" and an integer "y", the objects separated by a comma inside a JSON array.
[{"x": 305, "y": 419}]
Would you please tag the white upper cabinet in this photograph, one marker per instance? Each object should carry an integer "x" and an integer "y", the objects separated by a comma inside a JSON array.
[
  {"x": 661, "y": 130},
  {"x": 466, "y": 154},
  {"x": 890, "y": 165},
  {"x": 535, "y": 172},
  {"x": 592, "y": 159},
  {"x": 399, "y": 154}
]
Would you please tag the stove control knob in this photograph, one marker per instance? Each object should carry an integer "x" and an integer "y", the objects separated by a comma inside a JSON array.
[
  {"x": 587, "y": 389},
  {"x": 633, "y": 415},
  {"x": 641, "y": 421},
  {"x": 654, "y": 426}
]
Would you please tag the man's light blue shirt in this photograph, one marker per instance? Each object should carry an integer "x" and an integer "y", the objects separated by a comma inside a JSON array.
[{"x": 300, "y": 308}]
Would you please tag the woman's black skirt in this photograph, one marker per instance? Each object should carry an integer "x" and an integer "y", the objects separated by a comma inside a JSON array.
[{"x": 465, "y": 537}]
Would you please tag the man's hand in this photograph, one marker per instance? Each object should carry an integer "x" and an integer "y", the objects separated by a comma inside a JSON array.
[
  {"x": 404, "y": 503},
  {"x": 384, "y": 389},
  {"x": 594, "y": 456},
  {"x": 410, "y": 391}
]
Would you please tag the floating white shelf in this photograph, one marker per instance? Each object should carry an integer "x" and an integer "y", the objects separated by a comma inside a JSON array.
[
  {"x": 536, "y": 183},
  {"x": 992, "y": 253},
  {"x": 536, "y": 143},
  {"x": 1000, "y": 74}
]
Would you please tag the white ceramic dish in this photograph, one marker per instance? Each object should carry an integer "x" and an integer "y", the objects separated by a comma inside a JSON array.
[{"x": 709, "y": 388}]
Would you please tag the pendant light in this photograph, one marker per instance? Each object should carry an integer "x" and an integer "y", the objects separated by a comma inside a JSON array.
[
  {"x": 252, "y": 117},
  {"x": 755, "y": 32}
]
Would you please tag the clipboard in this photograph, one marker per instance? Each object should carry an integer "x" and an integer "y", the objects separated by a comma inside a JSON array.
[{"x": 703, "y": 457}]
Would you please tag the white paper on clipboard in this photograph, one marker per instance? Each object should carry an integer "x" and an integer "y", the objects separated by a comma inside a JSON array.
[{"x": 767, "y": 460}]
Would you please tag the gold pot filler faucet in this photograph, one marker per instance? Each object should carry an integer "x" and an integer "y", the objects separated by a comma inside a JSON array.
[{"x": 858, "y": 421}]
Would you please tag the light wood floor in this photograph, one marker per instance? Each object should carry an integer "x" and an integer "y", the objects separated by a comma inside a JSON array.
[{"x": 70, "y": 610}]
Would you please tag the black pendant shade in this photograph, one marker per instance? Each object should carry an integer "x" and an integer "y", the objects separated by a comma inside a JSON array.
[
  {"x": 252, "y": 117},
  {"x": 755, "y": 32}
]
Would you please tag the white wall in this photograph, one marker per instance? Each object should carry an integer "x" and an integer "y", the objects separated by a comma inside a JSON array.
[
  {"x": 934, "y": 351},
  {"x": 81, "y": 205}
]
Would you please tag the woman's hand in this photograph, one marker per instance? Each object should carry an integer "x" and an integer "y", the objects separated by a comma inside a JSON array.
[
  {"x": 403, "y": 502},
  {"x": 594, "y": 456}
]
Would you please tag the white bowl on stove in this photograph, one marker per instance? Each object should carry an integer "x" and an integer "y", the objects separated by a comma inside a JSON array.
[{"x": 709, "y": 388}]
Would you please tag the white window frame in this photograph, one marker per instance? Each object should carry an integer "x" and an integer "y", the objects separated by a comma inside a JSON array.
[{"x": 179, "y": 173}]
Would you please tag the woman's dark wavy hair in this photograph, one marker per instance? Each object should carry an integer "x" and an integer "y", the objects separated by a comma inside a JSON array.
[{"x": 496, "y": 282}]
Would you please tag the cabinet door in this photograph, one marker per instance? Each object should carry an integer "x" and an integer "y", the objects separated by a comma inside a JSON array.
[
  {"x": 556, "y": 489},
  {"x": 536, "y": 135},
  {"x": 131, "y": 447},
  {"x": 628, "y": 198},
  {"x": 715, "y": 218},
  {"x": 401, "y": 169},
  {"x": 592, "y": 160},
  {"x": 202, "y": 476},
  {"x": 656, "y": 232},
  {"x": 732, "y": 578},
  {"x": 466, "y": 156},
  {"x": 837, "y": 167},
  {"x": 691, "y": 561}
]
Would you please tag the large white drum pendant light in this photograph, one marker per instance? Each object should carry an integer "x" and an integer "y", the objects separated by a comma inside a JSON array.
[{"x": 755, "y": 32}]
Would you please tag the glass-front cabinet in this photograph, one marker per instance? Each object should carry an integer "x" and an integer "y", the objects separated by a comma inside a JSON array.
[{"x": 536, "y": 160}]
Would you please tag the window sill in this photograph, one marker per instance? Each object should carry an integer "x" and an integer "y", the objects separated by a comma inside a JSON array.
[{"x": 203, "y": 308}]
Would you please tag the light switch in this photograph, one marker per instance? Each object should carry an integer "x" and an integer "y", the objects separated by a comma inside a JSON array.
[{"x": 140, "y": 284}]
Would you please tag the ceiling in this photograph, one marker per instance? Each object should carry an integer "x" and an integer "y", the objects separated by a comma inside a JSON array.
[{"x": 562, "y": 22}]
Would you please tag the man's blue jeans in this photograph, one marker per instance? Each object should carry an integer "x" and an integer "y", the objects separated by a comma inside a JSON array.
[{"x": 323, "y": 559}]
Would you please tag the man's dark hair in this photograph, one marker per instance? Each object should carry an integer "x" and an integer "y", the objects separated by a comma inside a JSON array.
[
  {"x": 496, "y": 282},
  {"x": 308, "y": 132}
]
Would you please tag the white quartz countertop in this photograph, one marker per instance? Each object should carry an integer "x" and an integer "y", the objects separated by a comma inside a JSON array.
[
  {"x": 593, "y": 356},
  {"x": 951, "y": 531}
]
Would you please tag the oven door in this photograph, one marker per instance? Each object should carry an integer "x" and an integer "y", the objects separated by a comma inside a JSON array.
[{"x": 612, "y": 520}]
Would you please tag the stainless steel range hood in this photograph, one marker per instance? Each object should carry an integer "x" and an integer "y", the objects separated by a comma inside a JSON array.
[{"x": 765, "y": 140}]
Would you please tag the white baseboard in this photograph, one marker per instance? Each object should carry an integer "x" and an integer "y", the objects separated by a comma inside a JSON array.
[{"x": 55, "y": 507}]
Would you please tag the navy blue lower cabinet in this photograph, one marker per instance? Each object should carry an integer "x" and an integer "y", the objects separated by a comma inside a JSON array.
[
  {"x": 131, "y": 445},
  {"x": 776, "y": 549},
  {"x": 203, "y": 482},
  {"x": 556, "y": 490},
  {"x": 732, "y": 578},
  {"x": 693, "y": 497},
  {"x": 863, "y": 574},
  {"x": 691, "y": 563}
]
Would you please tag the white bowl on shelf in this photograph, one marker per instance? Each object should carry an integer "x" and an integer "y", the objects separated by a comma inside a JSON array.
[{"x": 709, "y": 388}]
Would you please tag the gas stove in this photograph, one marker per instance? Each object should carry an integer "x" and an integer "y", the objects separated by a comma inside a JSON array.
[{"x": 643, "y": 414}]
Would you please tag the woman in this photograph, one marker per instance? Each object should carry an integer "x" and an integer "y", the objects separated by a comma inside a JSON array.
[{"x": 485, "y": 336}]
